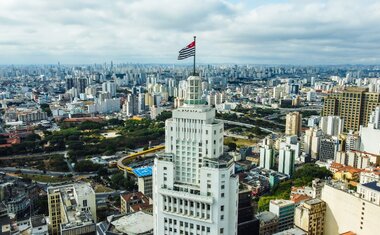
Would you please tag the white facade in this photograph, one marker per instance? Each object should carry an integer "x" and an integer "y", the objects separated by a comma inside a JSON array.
[
  {"x": 348, "y": 212},
  {"x": 370, "y": 135},
  {"x": 109, "y": 87},
  {"x": 332, "y": 125},
  {"x": 286, "y": 160},
  {"x": 370, "y": 175},
  {"x": 195, "y": 190},
  {"x": 105, "y": 106},
  {"x": 267, "y": 154},
  {"x": 312, "y": 140}
]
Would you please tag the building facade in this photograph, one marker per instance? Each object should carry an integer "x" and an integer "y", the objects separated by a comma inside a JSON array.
[
  {"x": 293, "y": 124},
  {"x": 354, "y": 105},
  {"x": 72, "y": 209},
  {"x": 195, "y": 190},
  {"x": 284, "y": 209},
  {"x": 310, "y": 216}
]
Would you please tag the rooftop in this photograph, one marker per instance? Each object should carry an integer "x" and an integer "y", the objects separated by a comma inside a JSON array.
[
  {"x": 281, "y": 202},
  {"x": 136, "y": 223},
  {"x": 143, "y": 171},
  {"x": 313, "y": 201},
  {"x": 292, "y": 231},
  {"x": 266, "y": 216},
  {"x": 372, "y": 185}
]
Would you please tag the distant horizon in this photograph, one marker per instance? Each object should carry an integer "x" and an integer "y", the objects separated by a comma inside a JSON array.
[
  {"x": 292, "y": 32},
  {"x": 188, "y": 64}
]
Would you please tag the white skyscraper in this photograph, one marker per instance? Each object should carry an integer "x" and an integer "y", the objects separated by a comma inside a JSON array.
[
  {"x": 267, "y": 154},
  {"x": 332, "y": 125},
  {"x": 286, "y": 160},
  {"x": 109, "y": 87},
  {"x": 195, "y": 190}
]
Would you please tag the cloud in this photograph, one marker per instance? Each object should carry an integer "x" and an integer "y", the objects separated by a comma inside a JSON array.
[{"x": 146, "y": 31}]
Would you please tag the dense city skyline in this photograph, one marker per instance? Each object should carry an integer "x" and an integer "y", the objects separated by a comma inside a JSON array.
[{"x": 262, "y": 32}]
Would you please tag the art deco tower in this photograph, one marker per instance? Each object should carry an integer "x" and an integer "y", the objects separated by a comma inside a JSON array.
[{"x": 194, "y": 186}]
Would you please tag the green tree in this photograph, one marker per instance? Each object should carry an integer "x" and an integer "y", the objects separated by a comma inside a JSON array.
[{"x": 232, "y": 146}]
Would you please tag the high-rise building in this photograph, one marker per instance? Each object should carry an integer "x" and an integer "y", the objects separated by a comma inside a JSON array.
[
  {"x": 195, "y": 189},
  {"x": 267, "y": 154},
  {"x": 131, "y": 105},
  {"x": 329, "y": 146},
  {"x": 72, "y": 209},
  {"x": 109, "y": 87},
  {"x": 312, "y": 139},
  {"x": 310, "y": 216},
  {"x": 284, "y": 209},
  {"x": 81, "y": 84},
  {"x": 331, "y": 125},
  {"x": 286, "y": 160},
  {"x": 354, "y": 105},
  {"x": 293, "y": 124},
  {"x": 370, "y": 135},
  {"x": 69, "y": 83},
  {"x": 247, "y": 223}
]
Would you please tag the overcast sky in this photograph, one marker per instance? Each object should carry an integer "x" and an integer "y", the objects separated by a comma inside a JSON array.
[{"x": 153, "y": 31}]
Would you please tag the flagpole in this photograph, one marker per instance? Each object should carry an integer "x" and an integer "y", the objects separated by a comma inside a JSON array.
[{"x": 195, "y": 47}]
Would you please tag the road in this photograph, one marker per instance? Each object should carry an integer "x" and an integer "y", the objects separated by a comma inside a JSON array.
[
  {"x": 32, "y": 155},
  {"x": 39, "y": 172},
  {"x": 247, "y": 125}
]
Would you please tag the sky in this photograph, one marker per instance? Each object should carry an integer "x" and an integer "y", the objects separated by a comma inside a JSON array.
[{"x": 304, "y": 32}]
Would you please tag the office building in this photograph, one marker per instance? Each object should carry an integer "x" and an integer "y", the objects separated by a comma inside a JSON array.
[
  {"x": 194, "y": 186},
  {"x": 293, "y": 124},
  {"x": 268, "y": 222},
  {"x": 329, "y": 146},
  {"x": 72, "y": 209},
  {"x": 354, "y": 105},
  {"x": 247, "y": 223},
  {"x": 350, "y": 211},
  {"x": 69, "y": 83},
  {"x": 310, "y": 216},
  {"x": 81, "y": 84},
  {"x": 284, "y": 209}
]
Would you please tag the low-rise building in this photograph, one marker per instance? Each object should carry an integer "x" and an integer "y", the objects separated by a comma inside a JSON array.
[{"x": 133, "y": 202}]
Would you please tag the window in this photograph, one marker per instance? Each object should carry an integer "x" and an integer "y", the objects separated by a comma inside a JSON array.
[
  {"x": 221, "y": 208},
  {"x": 221, "y": 231},
  {"x": 84, "y": 203}
]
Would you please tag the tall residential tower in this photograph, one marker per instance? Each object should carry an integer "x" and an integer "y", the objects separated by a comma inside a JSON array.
[{"x": 195, "y": 190}]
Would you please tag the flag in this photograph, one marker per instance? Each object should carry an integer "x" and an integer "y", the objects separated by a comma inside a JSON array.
[{"x": 187, "y": 51}]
